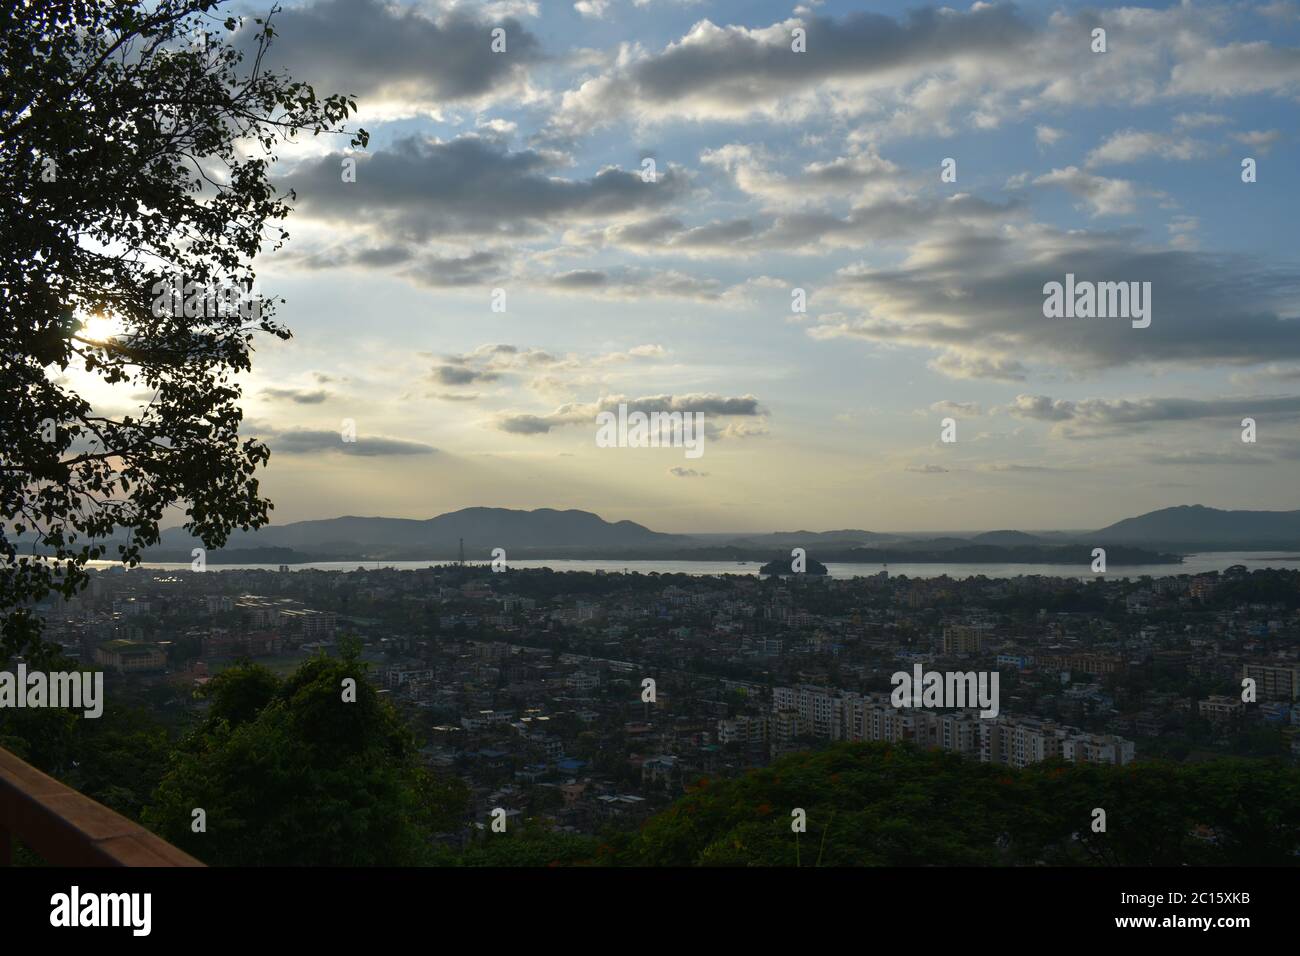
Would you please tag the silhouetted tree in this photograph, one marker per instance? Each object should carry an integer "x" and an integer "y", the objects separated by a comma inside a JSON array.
[{"x": 136, "y": 140}]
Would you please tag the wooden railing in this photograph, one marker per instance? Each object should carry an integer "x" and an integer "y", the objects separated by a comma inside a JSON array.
[{"x": 67, "y": 828}]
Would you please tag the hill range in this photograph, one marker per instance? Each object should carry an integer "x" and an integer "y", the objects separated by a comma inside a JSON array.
[{"x": 1155, "y": 537}]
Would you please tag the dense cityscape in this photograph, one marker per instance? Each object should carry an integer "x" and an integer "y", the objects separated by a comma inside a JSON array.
[{"x": 585, "y": 699}]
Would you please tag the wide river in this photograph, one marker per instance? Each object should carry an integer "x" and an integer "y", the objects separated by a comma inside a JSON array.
[{"x": 1192, "y": 564}]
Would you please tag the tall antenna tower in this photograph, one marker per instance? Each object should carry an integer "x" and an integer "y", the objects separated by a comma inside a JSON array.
[{"x": 462, "y": 552}]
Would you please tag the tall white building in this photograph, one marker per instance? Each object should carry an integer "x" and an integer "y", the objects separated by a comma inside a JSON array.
[{"x": 832, "y": 714}]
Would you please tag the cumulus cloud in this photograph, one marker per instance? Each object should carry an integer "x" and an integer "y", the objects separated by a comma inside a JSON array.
[
  {"x": 1270, "y": 374},
  {"x": 735, "y": 72},
  {"x": 965, "y": 365},
  {"x": 948, "y": 407},
  {"x": 631, "y": 282},
  {"x": 978, "y": 301},
  {"x": 751, "y": 169},
  {"x": 400, "y": 60},
  {"x": 1259, "y": 139},
  {"x": 1238, "y": 69},
  {"x": 474, "y": 185},
  {"x": 1199, "y": 120},
  {"x": 928, "y": 71},
  {"x": 459, "y": 375},
  {"x": 296, "y": 395},
  {"x": 550, "y": 374},
  {"x": 810, "y": 232},
  {"x": 574, "y": 413},
  {"x": 1089, "y": 417},
  {"x": 423, "y": 268},
  {"x": 1104, "y": 196},
  {"x": 1048, "y": 135},
  {"x": 1131, "y": 146},
  {"x": 307, "y": 441}
]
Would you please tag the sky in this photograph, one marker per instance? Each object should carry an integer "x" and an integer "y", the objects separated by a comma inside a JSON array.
[{"x": 519, "y": 178}]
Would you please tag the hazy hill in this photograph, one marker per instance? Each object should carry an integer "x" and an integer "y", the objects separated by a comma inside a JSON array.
[
  {"x": 1009, "y": 539},
  {"x": 805, "y": 539},
  {"x": 481, "y": 528},
  {"x": 547, "y": 532},
  {"x": 1206, "y": 528}
]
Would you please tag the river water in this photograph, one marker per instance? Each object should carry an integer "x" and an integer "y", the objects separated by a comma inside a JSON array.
[{"x": 1192, "y": 564}]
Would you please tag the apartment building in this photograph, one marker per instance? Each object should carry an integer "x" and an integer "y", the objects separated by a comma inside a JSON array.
[
  {"x": 1019, "y": 742},
  {"x": 129, "y": 657},
  {"x": 1218, "y": 707},
  {"x": 1274, "y": 682},
  {"x": 965, "y": 638},
  {"x": 1096, "y": 664},
  {"x": 748, "y": 731},
  {"x": 1097, "y": 748},
  {"x": 1015, "y": 741}
]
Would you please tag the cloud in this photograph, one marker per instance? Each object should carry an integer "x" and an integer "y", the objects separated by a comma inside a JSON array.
[
  {"x": 399, "y": 60},
  {"x": 736, "y": 72},
  {"x": 735, "y": 430},
  {"x": 631, "y": 282},
  {"x": 1259, "y": 139},
  {"x": 1106, "y": 197},
  {"x": 1131, "y": 146},
  {"x": 930, "y": 71},
  {"x": 471, "y": 186},
  {"x": 1280, "y": 10},
  {"x": 477, "y": 268},
  {"x": 1041, "y": 408},
  {"x": 528, "y": 424},
  {"x": 306, "y": 441},
  {"x": 295, "y": 395},
  {"x": 680, "y": 472},
  {"x": 750, "y": 169},
  {"x": 1048, "y": 135},
  {"x": 423, "y": 268},
  {"x": 947, "y": 407},
  {"x": 927, "y": 469},
  {"x": 1244, "y": 456},
  {"x": 1013, "y": 467},
  {"x": 965, "y": 365},
  {"x": 1271, "y": 374},
  {"x": 978, "y": 301},
  {"x": 810, "y": 232},
  {"x": 1238, "y": 69},
  {"x": 574, "y": 413},
  {"x": 548, "y": 374},
  {"x": 1199, "y": 120},
  {"x": 1092, "y": 416},
  {"x": 647, "y": 351},
  {"x": 459, "y": 375},
  {"x": 1182, "y": 231}
]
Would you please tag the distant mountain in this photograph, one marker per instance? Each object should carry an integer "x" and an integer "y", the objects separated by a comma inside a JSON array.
[
  {"x": 946, "y": 543},
  {"x": 1009, "y": 539},
  {"x": 481, "y": 528},
  {"x": 547, "y": 532},
  {"x": 1200, "y": 528},
  {"x": 793, "y": 539},
  {"x": 1080, "y": 555}
]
